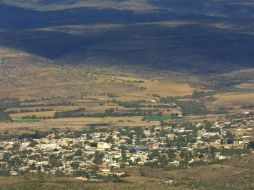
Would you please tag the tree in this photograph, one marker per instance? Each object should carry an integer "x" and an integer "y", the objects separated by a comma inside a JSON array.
[
  {"x": 114, "y": 178},
  {"x": 251, "y": 145},
  {"x": 75, "y": 165},
  {"x": 123, "y": 154},
  {"x": 171, "y": 155},
  {"x": 98, "y": 157},
  {"x": 78, "y": 152},
  {"x": 6, "y": 156},
  {"x": 4, "y": 172},
  {"x": 16, "y": 147},
  {"x": 163, "y": 160},
  {"x": 110, "y": 139},
  {"x": 54, "y": 161},
  {"x": 80, "y": 172},
  {"x": 109, "y": 111},
  {"x": 4, "y": 116},
  {"x": 33, "y": 143},
  {"x": 15, "y": 162}
]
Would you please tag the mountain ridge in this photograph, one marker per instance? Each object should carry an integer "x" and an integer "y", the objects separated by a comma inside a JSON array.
[{"x": 174, "y": 35}]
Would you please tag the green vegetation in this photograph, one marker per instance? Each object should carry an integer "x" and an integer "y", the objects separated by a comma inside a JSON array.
[
  {"x": 98, "y": 157},
  {"x": 248, "y": 106},
  {"x": 160, "y": 118},
  {"x": 30, "y": 110},
  {"x": 251, "y": 145},
  {"x": 201, "y": 94},
  {"x": 233, "y": 151},
  {"x": 130, "y": 104},
  {"x": 4, "y": 104},
  {"x": 192, "y": 107},
  {"x": 71, "y": 113},
  {"x": 7, "y": 103},
  {"x": 188, "y": 107},
  {"x": 27, "y": 120},
  {"x": 4, "y": 117}
]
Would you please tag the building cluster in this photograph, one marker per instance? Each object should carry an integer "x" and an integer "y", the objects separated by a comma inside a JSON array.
[{"x": 105, "y": 151}]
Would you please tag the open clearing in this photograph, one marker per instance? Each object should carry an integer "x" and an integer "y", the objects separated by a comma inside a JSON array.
[
  {"x": 29, "y": 125},
  {"x": 249, "y": 85},
  {"x": 233, "y": 99}
]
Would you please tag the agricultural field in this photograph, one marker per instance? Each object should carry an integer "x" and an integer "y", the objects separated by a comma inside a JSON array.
[
  {"x": 89, "y": 97},
  {"x": 74, "y": 97}
]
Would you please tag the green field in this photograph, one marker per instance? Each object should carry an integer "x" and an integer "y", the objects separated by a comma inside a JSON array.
[{"x": 161, "y": 118}]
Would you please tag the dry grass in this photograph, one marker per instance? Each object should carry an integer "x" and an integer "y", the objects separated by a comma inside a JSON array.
[
  {"x": 166, "y": 88},
  {"x": 147, "y": 88},
  {"x": 35, "y": 82},
  {"x": 233, "y": 99},
  {"x": 73, "y": 124},
  {"x": 249, "y": 85},
  {"x": 37, "y": 114}
]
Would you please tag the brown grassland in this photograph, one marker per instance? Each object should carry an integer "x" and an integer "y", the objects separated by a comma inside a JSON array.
[
  {"x": 233, "y": 100},
  {"x": 28, "y": 82}
]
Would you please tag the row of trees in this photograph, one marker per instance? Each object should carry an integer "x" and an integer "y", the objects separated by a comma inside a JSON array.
[
  {"x": 5, "y": 104},
  {"x": 111, "y": 112},
  {"x": 4, "y": 117}
]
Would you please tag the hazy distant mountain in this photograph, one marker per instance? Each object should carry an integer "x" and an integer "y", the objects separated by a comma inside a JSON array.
[
  {"x": 193, "y": 35},
  {"x": 138, "y": 5}
]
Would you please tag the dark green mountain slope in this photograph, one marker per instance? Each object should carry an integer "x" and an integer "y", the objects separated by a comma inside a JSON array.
[{"x": 201, "y": 36}]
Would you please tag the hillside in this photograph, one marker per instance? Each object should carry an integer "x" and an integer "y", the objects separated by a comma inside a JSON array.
[
  {"x": 197, "y": 37},
  {"x": 95, "y": 48},
  {"x": 127, "y": 94},
  {"x": 136, "y": 5},
  {"x": 92, "y": 48}
]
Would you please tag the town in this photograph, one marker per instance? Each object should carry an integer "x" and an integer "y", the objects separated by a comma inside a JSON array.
[{"x": 99, "y": 154}]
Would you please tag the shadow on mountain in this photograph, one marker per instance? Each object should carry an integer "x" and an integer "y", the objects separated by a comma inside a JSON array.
[
  {"x": 15, "y": 18},
  {"x": 235, "y": 9},
  {"x": 192, "y": 47}
]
